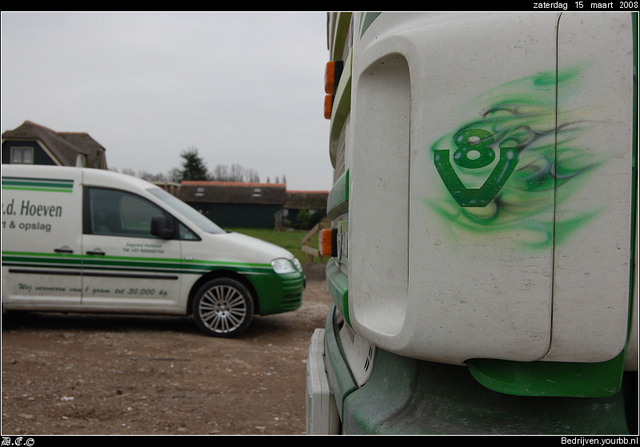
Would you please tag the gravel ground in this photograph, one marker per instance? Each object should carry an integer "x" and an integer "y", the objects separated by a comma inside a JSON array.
[{"x": 93, "y": 374}]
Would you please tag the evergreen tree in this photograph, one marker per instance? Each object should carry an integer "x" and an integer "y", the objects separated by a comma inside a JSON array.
[{"x": 193, "y": 166}]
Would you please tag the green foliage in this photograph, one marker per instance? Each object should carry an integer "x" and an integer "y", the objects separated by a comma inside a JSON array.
[
  {"x": 304, "y": 219},
  {"x": 307, "y": 220},
  {"x": 193, "y": 166}
]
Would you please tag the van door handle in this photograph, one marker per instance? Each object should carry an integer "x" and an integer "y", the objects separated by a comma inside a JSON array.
[
  {"x": 97, "y": 251},
  {"x": 63, "y": 250}
]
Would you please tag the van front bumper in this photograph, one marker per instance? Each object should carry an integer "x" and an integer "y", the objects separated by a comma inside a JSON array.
[{"x": 278, "y": 293}]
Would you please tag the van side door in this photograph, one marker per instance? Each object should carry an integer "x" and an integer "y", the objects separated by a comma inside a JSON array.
[
  {"x": 126, "y": 268},
  {"x": 41, "y": 238}
]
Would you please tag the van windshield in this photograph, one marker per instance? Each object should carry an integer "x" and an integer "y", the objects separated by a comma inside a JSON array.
[{"x": 190, "y": 213}]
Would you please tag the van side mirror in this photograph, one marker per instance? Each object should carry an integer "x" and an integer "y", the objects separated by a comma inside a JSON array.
[{"x": 161, "y": 227}]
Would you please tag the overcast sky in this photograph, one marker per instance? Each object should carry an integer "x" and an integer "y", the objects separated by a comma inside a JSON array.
[{"x": 243, "y": 88}]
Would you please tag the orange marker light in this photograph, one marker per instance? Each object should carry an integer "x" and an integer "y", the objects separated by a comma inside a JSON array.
[
  {"x": 328, "y": 104},
  {"x": 329, "y": 77},
  {"x": 327, "y": 242},
  {"x": 332, "y": 73}
]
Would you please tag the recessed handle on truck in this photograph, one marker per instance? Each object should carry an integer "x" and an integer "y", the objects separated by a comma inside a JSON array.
[{"x": 63, "y": 250}]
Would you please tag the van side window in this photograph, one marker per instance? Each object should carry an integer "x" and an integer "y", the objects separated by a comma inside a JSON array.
[
  {"x": 186, "y": 234},
  {"x": 119, "y": 213}
]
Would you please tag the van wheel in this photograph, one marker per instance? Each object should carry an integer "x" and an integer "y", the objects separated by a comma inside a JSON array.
[{"x": 223, "y": 308}]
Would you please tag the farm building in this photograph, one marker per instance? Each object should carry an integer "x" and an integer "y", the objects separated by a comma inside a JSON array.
[
  {"x": 229, "y": 204},
  {"x": 297, "y": 202},
  {"x": 249, "y": 205}
]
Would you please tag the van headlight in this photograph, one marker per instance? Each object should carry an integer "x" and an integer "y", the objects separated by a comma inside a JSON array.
[
  {"x": 297, "y": 264},
  {"x": 282, "y": 265}
]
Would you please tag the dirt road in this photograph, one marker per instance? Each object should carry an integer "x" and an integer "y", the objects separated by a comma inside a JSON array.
[{"x": 99, "y": 374}]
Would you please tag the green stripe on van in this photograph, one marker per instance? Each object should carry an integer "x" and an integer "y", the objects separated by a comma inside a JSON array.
[
  {"x": 124, "y": 263},
  {"x": 37, "y": 184}
]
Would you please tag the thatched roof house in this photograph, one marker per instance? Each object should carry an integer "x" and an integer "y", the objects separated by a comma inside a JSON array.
[{"x": 32, "y": 143}]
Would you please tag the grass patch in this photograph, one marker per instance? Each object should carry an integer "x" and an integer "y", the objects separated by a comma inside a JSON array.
[{"x": 289, "y": 240}]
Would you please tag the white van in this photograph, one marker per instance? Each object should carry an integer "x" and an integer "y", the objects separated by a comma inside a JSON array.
[{"x": 90, "y": 240}]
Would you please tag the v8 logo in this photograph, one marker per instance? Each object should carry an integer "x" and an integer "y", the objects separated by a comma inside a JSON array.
[{"x": 475, "y": 152}]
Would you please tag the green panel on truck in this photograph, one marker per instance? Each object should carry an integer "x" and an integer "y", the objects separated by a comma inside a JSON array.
[{"x": 418, "y": 397}]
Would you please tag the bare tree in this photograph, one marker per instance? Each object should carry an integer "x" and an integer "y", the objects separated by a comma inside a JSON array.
[
  {"x": 220, "y": 173},
  {"x": 237, "y": 173},
  {"x": 159, "y": 177},
  {"x": 194, "y": 168},
  {"x": 234, "y": 173},
  {"x": 175, "y": 175},
  {"x": 251, "y": 175}
]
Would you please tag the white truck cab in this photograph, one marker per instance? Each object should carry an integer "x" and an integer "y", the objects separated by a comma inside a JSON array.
[
  {"x": 90, "y": 240},
  {"x": 484, "y": 224}
]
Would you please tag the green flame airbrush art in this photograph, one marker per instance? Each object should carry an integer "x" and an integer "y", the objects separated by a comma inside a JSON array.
[{"x": 508, "y": 169}]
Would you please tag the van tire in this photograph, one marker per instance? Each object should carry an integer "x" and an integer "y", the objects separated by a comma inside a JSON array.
[{"x": 223, "y": 308}]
